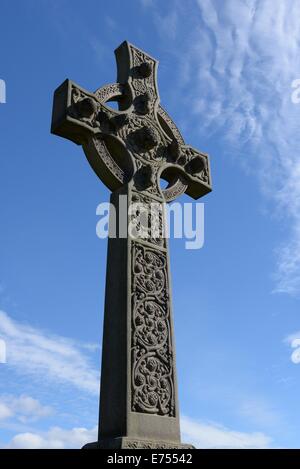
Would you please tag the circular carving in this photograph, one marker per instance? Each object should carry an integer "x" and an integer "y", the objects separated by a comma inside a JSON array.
[
  {"x": 195, "y": 165},
  {"x": 144, "y": 139},
  {"x": 108, "y": 161},
  {"x": 169, "y": 126},
  {"x": 147, "y": 267},
  {"x": 175, "y": 189},
  {"x": 151, "y": 330},
  {"x": 152, "y": 363},
  {"x": 150, "y": 141},
  {"x": 86, "y": 107},
  {"x": 153, "y": 387}
]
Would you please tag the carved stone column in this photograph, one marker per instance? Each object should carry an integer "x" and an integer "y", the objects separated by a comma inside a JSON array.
[{"x": 138, "y": 398}]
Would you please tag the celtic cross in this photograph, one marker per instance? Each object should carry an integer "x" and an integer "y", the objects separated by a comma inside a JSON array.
[{"x": 130, "y": 150}]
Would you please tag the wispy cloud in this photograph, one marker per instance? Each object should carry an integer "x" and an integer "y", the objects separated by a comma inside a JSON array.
[
  {"x": 147, "y": 3},
  {"x": 236, "y": 64},
  {"x": 260, "y": 412},
  {"x": 211, "y": 435},
  {"x": 45, "y": 356}
]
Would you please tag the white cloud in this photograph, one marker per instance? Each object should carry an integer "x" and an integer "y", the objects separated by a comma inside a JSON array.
[
  {"x": 236, "y": 62},
  {"x": 212, "y": 435},
  {"x": 202, "y": 435},
  {"x": 23, "y": 408},
  {"x": 55, "y": 438},
  {"x": 5, "y": 411},
  {"x": 48, "y": 357}
]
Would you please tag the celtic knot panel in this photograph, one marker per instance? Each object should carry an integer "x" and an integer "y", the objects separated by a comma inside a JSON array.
[
  {"x": 151, "y": 340},
  {"x": 144, "y": 84},
  {"x": 147, "y": 219}
]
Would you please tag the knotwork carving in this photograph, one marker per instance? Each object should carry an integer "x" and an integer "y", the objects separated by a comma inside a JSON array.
[
  {"x": 152, "y": 360},
  {"x": 196, "y": 164},
  {"x": 107, "y": 159},
  {"x": 83, "y": 107},
  {"x": 139, "y": 444},
  {"x": 143, "y": 82},
  {"x": 109, "y": 92},
  {"x": 144, "y": 139},
  {"x": 175, "y": 190},
  {"x": 169, "y": 126},
  {"x": 147, "y": 219}
]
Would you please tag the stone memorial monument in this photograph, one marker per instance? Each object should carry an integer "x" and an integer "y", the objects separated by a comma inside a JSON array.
[{"x": 130, "y": 150}]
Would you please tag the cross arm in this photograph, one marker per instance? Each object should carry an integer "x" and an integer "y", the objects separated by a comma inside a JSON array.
[
  {"x": 82, "y": 117},
  {"x": 188, "y": 166},
  {"x": 137, "y": 71},
  {"x": 73, "y": 112}
]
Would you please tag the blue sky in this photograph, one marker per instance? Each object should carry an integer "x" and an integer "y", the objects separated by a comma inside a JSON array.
[{"x": 225, "y": 75}]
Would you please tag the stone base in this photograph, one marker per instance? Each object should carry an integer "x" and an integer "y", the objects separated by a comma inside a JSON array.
[{"x": 130, "y": 443}]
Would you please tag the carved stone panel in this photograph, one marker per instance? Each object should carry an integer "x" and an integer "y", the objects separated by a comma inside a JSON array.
[
  {"x": 146, "y": 219},
  {"x": 152, "y": 389}
]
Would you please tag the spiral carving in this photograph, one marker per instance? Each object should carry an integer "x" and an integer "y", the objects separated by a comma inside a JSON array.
[{"x": 152, "y": 360}]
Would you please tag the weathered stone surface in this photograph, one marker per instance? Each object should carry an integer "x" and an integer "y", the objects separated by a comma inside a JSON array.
[
  {"x": 128, "y": 443},
  {"x": 129, "y": 150}
]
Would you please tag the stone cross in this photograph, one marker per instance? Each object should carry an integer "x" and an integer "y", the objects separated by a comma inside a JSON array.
[{"x": 130, "y": 149}]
